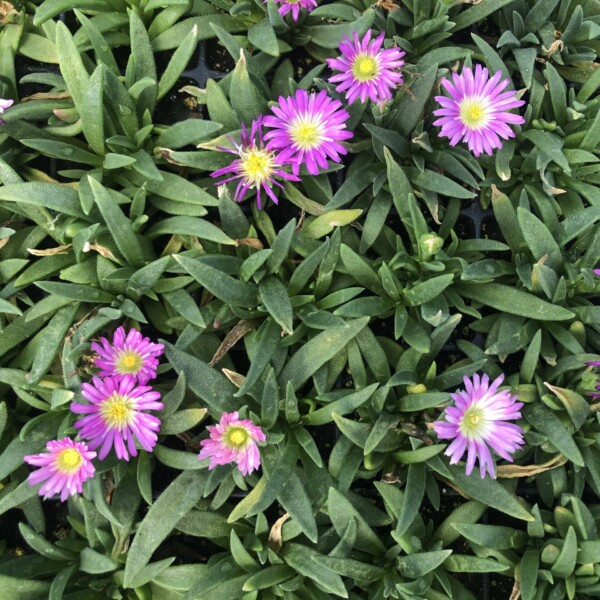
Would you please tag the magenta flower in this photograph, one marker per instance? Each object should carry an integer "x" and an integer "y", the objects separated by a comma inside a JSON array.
[
  {"x": 116, "y": 417},
  {"x": 63, "y": 468},
  {"x": 307, "y": 129},
  {"x": 478, "y": 420},
  {"x": 256, "y": 167},
  {"x": 294, "y": 7},
  {"x": 597, "y": 272},
  {"x": 233, "y": 440},
  {"x": 477, "y": 110},
  {"x": 366, "y": 69},
  {"x": 4, "y": 104},
  {"x": 129, "y": 354}
]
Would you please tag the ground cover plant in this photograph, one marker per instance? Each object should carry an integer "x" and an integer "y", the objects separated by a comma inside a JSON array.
[{"x": 299, "y": 299}]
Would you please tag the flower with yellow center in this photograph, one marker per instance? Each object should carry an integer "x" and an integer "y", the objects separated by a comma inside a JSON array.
[
  {"x": 305, "y": 134},
  {"x": 128, "y": 362},
  {"x": 365, "y": 68},
  {"x": 236, "y": 437},
  {"x": 117, "y": 411},
  {"x": 68, "y": 461},
  {"x": 257, "y": 165},
  {"x": 473, "y": 113}
]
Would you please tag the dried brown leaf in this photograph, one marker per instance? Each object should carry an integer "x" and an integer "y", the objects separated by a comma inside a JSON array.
[
  {"x": 275, "y": 539},
  {"x": 231, "y": 339}
]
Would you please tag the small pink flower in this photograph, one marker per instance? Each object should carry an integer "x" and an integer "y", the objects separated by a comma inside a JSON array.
[
  {"x": 366, "y": 69},
  {"x": 233, "y": 440},
  {"x": 307, "y": 129},
  {"x": 129, "y": 354},
  {"x": 116, "y": 417},
  {"x": 63, "y": 468},
  {"x": 477, "y": 110},
  {"x": 478, "y": 419},
  {"x": 294, "y": 7}
]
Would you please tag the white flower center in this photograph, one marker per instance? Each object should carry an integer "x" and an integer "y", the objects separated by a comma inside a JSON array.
[
  {"x": 473, "y": 422},
  {"x": 365, "y": 68},
  {"x": 68, "y": 461},
  {"x": 473, "y": 113},
  {"x": 117, "y": 411},
  {"x": 305, "y": 132},
  {"x": 257, "y": 165}
]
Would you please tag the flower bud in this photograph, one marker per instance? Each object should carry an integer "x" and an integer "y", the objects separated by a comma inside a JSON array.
[{"x": 430, "y": 244}]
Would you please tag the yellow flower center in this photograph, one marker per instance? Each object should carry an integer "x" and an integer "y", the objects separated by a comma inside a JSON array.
[
  {"x": 473, "y": 113},
  {"x": 257, "y": 165},
  {"x": 305, "y": 135},
  {"x": 236, "y": 437},
  {"x": 473, "y": 422},
  {"x": 68, "y": 461},
  {"x": 128, "y": 362},
  {"x": 117, "y": 411},
  {"x": 365, "y": 68}
]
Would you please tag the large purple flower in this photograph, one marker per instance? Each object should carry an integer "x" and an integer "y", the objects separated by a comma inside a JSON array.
[
  {"x": 233, "y": 440},
  {"x": 63, "y": 468},
  {"x": 477, "y": 110},
  {"x": 129, "y": 354},
  {"x": 477, "y": 420},
  {"x": 256, "y": 167},
  {"x": 307, "y": 129},
  {"x": 366, "y": 69},
  {"x": 116, "y": 417},
  {"x": 294, "y": 6}
]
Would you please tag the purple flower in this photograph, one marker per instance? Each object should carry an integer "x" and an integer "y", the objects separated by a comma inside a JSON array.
[
  {"x": 477, "y": 110},
  {"x": 294, "y": 7},
  {"x": 63, "y": 468},
  {"x": 4, "y": 104},
  {"x": 478, "y": 420},
  {"x": 307, "y": 129},
  {"x": 116, "y": 417},
  {"x": 597, "y": 272},
  {"x": 366, "y": 69},
  {"x": 256, "y": 167},
  {"x": 596, "y": 363},
  {"x": 129, "y": 354},
  {"x": 233, "y": 440}
]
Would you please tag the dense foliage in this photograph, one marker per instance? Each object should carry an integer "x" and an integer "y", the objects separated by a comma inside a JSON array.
[{"x": 339, "y": 320}]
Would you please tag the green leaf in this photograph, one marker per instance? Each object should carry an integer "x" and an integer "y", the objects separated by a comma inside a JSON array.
[
  {"x": 184, "y": 420},
  {"x": 492, "y": 536},
  {"x": 23, "y": 589},
  {"x": 324, "y": 224},
  {"x": 550, "y": 145},
  {"x": 410, "y": 109},
  {"x": 95, "y": 563},
  {"x": 419, "y": 564},
  {"x": 190, "y": 131},
  {"x": 546, "y": 422},
  {"x": 318, "y": 351},
  {"x": 413, "y": 496},
  {"x": 539, "y": 239},
  {"x": 263, "y": 37},
  {"x": 61, "y": 198},
  {"x": 178, "y": 63},
  {"x": 244, "y": 96},
  {"x": 425, "y": 291},
  {"x": 118, "y": 224},
  {"x": 92, "y": 111},
  {"x": 343, "y": 406},
  {"x": 207, "y": 383},
  {"x": 71, "y": 67},
  {"x": 490, "y": 492},
  {"x": 168, "y": 510},
  {"x": 221, "y": 285},
  {"x": 513, "y": 301},
  {"x": 143, "y": 63},
  {"x": 267, "y": 577},
  {"x": 74, "y": 291},
  {"x": 462, "y": 563},
  {"x": 190, "y": 226},
  {"x": 276, "y": 300}
]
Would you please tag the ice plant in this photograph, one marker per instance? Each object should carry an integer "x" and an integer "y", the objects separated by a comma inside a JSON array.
[
  {"x": 294, "y": 6},
  {"x": 477, "y": 110},
  {"x": 478, "y": 421},
  {"x": 307, "y": 129},
  {"x": 596, "y": 364},
  {"x": 256, "y": 167},
  {"x": 63, "y": 468},
  {"x": 233, "y": 440},
  {"x": 116, "y": 415},
  {"x": 365, "y": 69},
  {"x": 129, "y": 354}
]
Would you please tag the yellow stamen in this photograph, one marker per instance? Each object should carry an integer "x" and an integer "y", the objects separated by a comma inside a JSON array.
[
  {"x": 68, "y": 461},
  {"x": 305, "y": 135},
  {"x": 236, "y": 436},
  {"x": 257, "y": 165},
  {"x": 365, "y": 68},
  {"x": 473, "y": 113},
  {"x": 117, "y": 411},
  {"x": 473, "y": 422},
  {"x": 128, "y": 362}
]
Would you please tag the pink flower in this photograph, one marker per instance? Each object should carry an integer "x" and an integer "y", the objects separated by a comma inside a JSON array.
[
  {"x": 294, "y": 7},
  {"x": 366, "y": 69},
  {"x": 477, "y": 110},
  {"x": 307, "y": 129},
  {"x": 129, "y": 354},
  {"x": 478, "y": 420},
  {"x": 63, "y": 468},
  {"x": 116, "y": 417},
  {"x": 256, "y": 167},
  {"x": 233, "y": 440}
]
